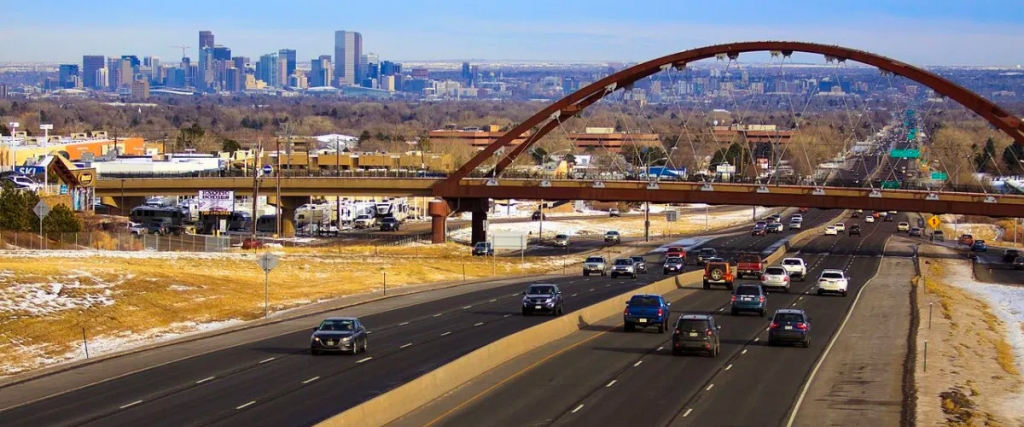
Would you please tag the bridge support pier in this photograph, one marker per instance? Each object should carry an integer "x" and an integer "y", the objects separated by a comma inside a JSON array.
[
  {"x": 438, "y": 210},
  {"x": 479, "y": 226},
  {"x": 286, "y": 210}
]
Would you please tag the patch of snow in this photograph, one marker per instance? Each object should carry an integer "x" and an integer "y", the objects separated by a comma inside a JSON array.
[
  {"x": 87, "y": 254},
  {"x": 690, "y": 243},
  {"x": 181, "y": 288},
  {"x": 58, "y": 294}
]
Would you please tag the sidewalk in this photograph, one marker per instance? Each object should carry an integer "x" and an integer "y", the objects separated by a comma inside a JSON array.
[{"x": 860, "y": 383}]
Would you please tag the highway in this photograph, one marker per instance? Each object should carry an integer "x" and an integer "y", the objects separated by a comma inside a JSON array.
[
  {"x": 275, "y": 381},
  {"x": 632, "y": 379}
]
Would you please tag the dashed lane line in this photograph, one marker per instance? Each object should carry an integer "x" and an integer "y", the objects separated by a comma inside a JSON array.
[
  {"x": 311, "y": 380},
  {"x": 364, "y": 360},
  {"x": 267, "y": 360},
  {"x": 577, "y": 409},
  {"x": 131, "y": 404},
  {"x": 205, "y": 380},
  {"x": 246, "y": 405},
  {"x": 406, "y": 345}
]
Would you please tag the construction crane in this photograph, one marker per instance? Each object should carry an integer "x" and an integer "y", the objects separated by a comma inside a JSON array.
[{"x": 183, "y": 49}]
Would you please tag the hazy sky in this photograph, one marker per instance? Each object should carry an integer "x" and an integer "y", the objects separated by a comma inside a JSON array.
[{"x": 925, "y": 32}]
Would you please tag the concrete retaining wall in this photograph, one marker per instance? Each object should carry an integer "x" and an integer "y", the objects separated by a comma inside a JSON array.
[{"x": 406, "y": 398}]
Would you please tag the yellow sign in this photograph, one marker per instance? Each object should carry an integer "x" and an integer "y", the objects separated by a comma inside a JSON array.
[
  {"x": 85, "y": 178},
  {"x": 934, "y": 222}
]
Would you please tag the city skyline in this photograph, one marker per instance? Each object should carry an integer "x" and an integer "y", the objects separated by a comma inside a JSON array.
[{"x": 914, "y": 31}]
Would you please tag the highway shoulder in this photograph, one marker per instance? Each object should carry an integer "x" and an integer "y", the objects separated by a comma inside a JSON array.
[{"x": 860, "y": 382}]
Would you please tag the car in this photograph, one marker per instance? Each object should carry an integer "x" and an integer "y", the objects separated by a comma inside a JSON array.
[
  {"x": 646, "y": 310},
  {"x": 640, "y": 264},
  {"x": 803, "y": 209},
  {"x": 697, "y": 333},
  {"x": 364, "y": 221},
  {"x": 775, "y": 217},
  {"x": 22, "y": 182},
  {"x": 966, "y": 240},
  {"x": 612, "y": 236},
  {"x": 561, "y": 241},
  {"x": 938, "y": 236},
  {"x": 678, "y": 251},
  {"x": 541, "y": 298},
  {"x": 759, "y": 230},
  {"x": 903, "y": 226},
  {"x": 614, "y": 212},
  {"x": 623, "y": 267},
  {"x": 876, "y": 214},
  {"x": 389, "y": 224},
  {"x": 775, "y": 227},
  {"x": 718, "y": 273},
  {"x": 840, "y": 227},
  {"x": 483, "y": 249},
  {"x": 979, "y": 246},
  {"x": 749, "y": 264},
  {"x": 136, "y": 229},
  {"x": 831, "y": 231},
  {"x": 833, "y": 281},
  {"x": 1011, "y": 254},
  {"x": 775, "y": 277},
  {"x": 537, "y": 215},
  {"x": 1018, "y": 263},
  {"x": 869, "y": 219},
  {"x": 673, "y": 264},
  {"x": 855, "y": 214},
  {"x": 252, "y": 243},
  {"x": 796, "y": 267},
  {"x": 595, "y": 264},
  {"x": 339, "y": 335},
  {"x": 915, "y": 232},
  {"x": 704, "y": 254},
  {"x": 796, "y": 225},
  {"x": 889, "y": 218},
  {"x": 749, "y": 297},
  {"x": 855, "y": 230},
  {"x": 790, "y": 325},
  {"x": 796, "y": 217}
]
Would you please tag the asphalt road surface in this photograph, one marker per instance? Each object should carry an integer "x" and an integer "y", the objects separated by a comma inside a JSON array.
[{"x": 632, "y": 379}]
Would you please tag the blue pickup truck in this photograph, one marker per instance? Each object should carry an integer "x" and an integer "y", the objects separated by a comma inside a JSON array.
[{"x": 646, "y": 310}]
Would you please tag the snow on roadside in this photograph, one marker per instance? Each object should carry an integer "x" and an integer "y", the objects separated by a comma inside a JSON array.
[
  {"x": 689, "y": 243},
  {"x": 57, "y": 294},
  {"x": 1007, "y": 302}
]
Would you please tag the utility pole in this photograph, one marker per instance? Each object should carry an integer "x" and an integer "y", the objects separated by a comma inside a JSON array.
[
  {"x": 280, "y": 209},
  {"x": 256, "y": 186}
]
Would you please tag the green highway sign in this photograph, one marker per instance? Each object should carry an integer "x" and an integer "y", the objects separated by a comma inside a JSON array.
[
  {"x": 940, "y": 175},
  {"x": 909, "y": 153},
  {"x": 890, "y": 184}
]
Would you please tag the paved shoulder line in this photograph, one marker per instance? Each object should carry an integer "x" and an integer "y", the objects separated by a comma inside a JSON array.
[{"x": 831, "y": 343}]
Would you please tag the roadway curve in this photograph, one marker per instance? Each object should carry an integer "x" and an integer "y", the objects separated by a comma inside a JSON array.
[
  {"x": 438, "y": 331},
  {"x": 632, "y": 379}
]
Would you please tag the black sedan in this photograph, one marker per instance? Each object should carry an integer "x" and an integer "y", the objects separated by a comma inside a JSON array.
[{"x": 338, "y": 335}]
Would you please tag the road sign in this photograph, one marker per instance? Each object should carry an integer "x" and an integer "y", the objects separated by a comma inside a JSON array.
[
  {"x": 29, "y": 170},
  {"x": 41, "y": 209},
  {"x": 934, "y": 222},
  {"x": 268, "y": 169},
  {"x": 509, "y": 240},
  {"x": 890, "y": 184},
  {"x": 940, "y": 176},
  {"x": 909, "y": 153},
  {"x": 268, "y": 261},
  {"x": 671, "y": 216}
]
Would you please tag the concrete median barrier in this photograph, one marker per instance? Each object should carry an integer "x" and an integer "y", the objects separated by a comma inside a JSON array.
[{"x": 406, "y": 398}]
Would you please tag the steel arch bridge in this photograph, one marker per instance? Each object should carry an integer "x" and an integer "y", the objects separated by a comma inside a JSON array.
[{"x": 464, "y": 193}]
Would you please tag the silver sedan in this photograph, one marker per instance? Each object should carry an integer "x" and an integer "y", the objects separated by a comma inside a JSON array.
[{"x": 776, "y": 278}]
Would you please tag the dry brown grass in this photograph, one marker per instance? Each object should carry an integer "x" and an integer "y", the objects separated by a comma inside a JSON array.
[{"x": 160, "y": 292}]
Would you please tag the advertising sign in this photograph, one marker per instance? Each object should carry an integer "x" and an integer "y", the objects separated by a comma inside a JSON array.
[{"x": 216, "y": 202}]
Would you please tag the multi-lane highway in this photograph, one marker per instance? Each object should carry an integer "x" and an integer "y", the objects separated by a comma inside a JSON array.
[
  {"x": 275, "y": 381},
  {"x": 632, "y": 379}
]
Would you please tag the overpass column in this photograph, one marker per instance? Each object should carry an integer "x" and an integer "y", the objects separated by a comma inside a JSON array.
[
  {"x": 438, "y": 210},
  {"x": 286, "y": 209},
  {"x": 479, "y": 226}
]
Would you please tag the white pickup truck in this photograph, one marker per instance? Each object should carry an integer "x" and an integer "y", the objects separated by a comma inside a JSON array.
[{"x": 365, "y": 221}]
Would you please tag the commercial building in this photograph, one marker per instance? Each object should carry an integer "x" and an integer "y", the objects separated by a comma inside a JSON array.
[
  {"x": 348, "y": 52},
  {"x": 321, "y": 73},
  {"x": 591, "y": 139},
  {"x": 205, "y": 39},
  {"x": 91, "y": 64},
  {"x": 19, "y": 150},
  {"x": 140, "y": 90},
  {"x": 751, "y": 134},
  {"x": 68, "y": 76},
  {"x": 324, "y": 160},
  {"x": 288, "y": 56},
  {"x": 3, "y": 91}
]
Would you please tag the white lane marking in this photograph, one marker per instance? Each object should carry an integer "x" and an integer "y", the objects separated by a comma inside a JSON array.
[
  {"x": 721, "y": 309},
  {"x": 131, "y": 404},
  {"x": 205, "y": 380},
  {"x": 515, "y": 295},
  {"x": 660, "y": 349},
  {"x": 728, "y": 367},
  {"x": 478, "y": 323},
  {"x": 403, "y": 323},
  {"x": 744, "y": 351},
  {"x": 573, "y": 295},
  {"x": 467, "y": 307},
  {"x": 493, "y": 300},
  {"x": 310, "y": 380},
  {"x": 438, "y": 314},
  {"x": 363, "y": 360},
  {"x": 638, "y": 362},
  {"x": 245, "y": 405},
  {"x": 709, "y": 387},
  {"x": 610, "y": 384},
  {"x": 607, "y": 286},
  {"x": 405, "y": 346},
  {"x": 507, "y": 315},
  {"x": 591, "y": 290},
  {"x": 687, "y": 413},
  {"x": 446, "y": 333},
  {"x": 577, "y": 408},
  {"x": 267, "y": 360},
  {"x": 800, "y": 298},
  {"x": 757, "y": 339}
]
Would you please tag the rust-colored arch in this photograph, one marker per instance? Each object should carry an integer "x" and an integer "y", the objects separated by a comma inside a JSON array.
[{"x": 581, "y": 99}]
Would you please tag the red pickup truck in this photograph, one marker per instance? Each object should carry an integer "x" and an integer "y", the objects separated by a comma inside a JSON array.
[
  {"x": 676, "y": 251},
  {"x": 749, "y": 265}
]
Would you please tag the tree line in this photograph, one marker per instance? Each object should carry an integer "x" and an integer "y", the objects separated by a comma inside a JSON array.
[{"x": 16, "y": 213}]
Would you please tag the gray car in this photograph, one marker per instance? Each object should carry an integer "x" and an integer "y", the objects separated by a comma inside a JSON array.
[
  {"x": 595, "y": 264},
  {"x": 339, "y": 335}
]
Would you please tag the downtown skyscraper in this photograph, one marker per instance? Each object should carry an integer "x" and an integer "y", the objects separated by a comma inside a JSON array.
[{"x": 348, "y": 52}]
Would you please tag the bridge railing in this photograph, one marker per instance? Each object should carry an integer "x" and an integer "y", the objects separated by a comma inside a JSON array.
[{"x": 286, "y": 173}]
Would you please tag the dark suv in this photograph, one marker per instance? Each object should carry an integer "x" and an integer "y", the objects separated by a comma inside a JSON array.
[
  {"x": 790, "y": 326},
  {"x": 697, "y": 333},
  {"x": 542, "y": 298},
  {"x": 749, "y": 297},
  {"x": 705, "y": 254},
  {"x": 389, "y": 224}
]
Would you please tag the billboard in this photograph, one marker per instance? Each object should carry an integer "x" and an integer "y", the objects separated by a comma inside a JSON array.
[
  {"x": 505, "y": 240},
  {"x": 216, "y": 202}
]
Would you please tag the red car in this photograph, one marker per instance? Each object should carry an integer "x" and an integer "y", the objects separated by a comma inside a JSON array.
[
  {"x": 674, "y": 251},
  {"x": 803, "y": 209}
]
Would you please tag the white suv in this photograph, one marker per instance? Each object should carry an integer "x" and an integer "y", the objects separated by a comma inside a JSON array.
[
  {"x": 796, "y": 267},
  {"x": 903, "y": 226},
  {"x": 833, "y": 280}
]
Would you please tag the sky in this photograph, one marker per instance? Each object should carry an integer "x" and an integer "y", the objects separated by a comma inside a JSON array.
[{"x": 932, "y": 32}]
